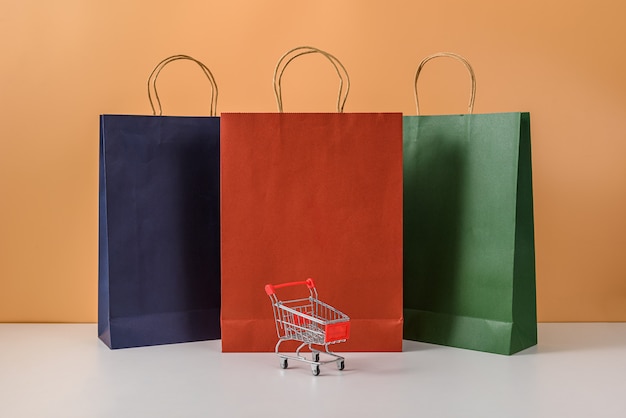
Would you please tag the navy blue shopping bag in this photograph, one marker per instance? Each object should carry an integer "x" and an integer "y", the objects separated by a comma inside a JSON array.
[{"x": 159, "y": 227}]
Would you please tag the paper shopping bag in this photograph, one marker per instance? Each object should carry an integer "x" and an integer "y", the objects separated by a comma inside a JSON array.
[
  {"x": 159, "y": 242},
  {"x": 312, "y": 195},
  {"x": 469, "y": 266}
]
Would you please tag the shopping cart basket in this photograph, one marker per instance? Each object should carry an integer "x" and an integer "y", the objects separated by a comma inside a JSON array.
[{"x": 310, "y": 321}]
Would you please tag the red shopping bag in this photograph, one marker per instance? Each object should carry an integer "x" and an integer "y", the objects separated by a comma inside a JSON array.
[{"x": 312, "y": 195}]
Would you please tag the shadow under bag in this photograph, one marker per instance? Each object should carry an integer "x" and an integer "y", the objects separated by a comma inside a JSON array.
[
  {"x": 469, "y": 254},
  {"x": 159, "y": 227}
]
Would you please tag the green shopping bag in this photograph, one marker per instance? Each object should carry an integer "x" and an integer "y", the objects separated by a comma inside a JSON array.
[{"x": 469, "y": 258}]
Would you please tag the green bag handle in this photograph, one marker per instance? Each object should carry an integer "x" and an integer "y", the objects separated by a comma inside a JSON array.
[
  {"x": 344, "y": 78},
  {"x": 458, "y": 57},
  {"x": 152, "y": 79}
]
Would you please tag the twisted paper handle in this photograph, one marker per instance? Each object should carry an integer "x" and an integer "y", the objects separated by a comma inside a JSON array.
[
  {"x": 344, "y": 78},
  {"x": 457, "y": 57},
  {"x": 152, "y": 79}
]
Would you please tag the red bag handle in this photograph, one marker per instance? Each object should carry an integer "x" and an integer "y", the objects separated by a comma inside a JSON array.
[{"x": 304, "y": 50}]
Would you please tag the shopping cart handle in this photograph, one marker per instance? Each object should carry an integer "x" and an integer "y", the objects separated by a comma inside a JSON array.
[{"x": 270, "y": 288}]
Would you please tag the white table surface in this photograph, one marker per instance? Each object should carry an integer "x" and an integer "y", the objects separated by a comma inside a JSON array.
[{"x": 63, "y": 370}]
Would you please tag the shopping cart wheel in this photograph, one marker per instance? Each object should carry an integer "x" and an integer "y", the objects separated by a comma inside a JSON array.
[
  {"x": 315, "y": 368},
  {"x": 341, "y": 364},
  {"x": 316, "y": 356},
  {"x": 283, "y": 363}
]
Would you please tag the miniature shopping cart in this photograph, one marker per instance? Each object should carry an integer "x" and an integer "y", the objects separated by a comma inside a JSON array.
[{"x": 311, "y": 322}]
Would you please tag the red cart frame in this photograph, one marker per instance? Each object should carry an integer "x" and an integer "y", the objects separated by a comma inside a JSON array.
[{"x": 310, "y": 321}]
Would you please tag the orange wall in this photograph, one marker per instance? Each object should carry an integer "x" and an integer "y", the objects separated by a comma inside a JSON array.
[{"x": 65, "y": 62}]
